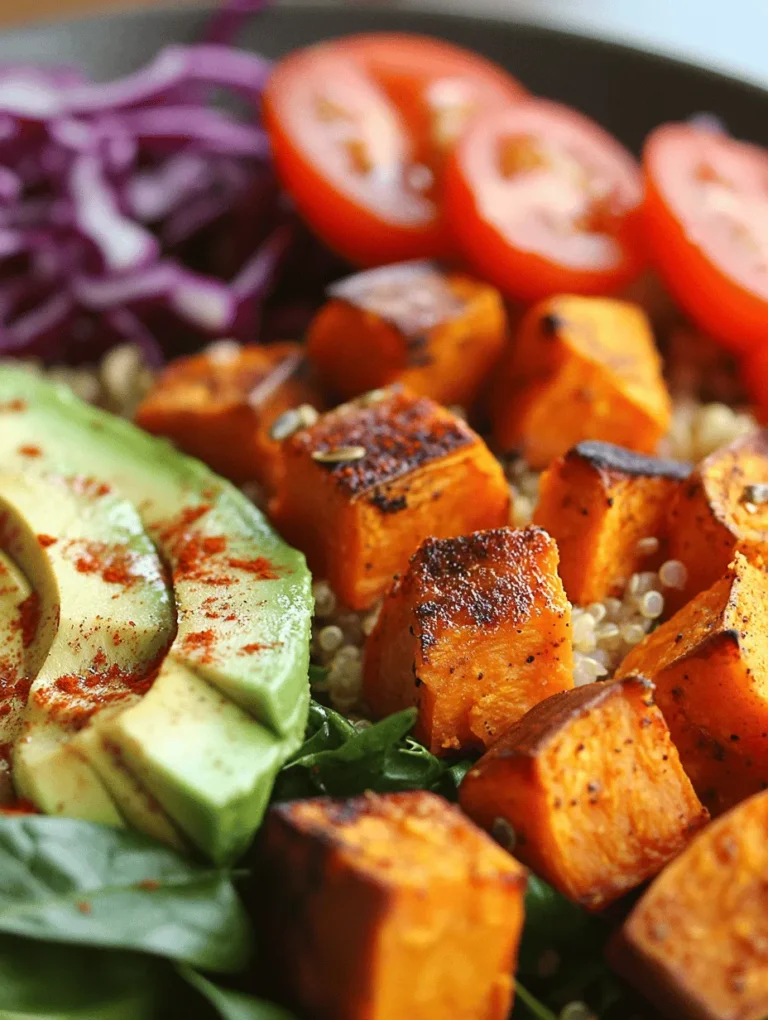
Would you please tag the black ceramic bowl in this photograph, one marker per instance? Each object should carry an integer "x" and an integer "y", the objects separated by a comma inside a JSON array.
[{"x": 627, "y": 90}]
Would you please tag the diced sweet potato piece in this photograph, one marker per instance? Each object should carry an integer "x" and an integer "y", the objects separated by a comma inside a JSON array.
[
  {"x": 580, "y": 368},
  {"x": 474, "y": 633},
  {"x": 710, "y": 666},
  {"x": 599, "y": 502},
  {"x": 437, "y": 333},
  {"x": 220, "y": 406},
  {"x": 697, "y": 942},
  {"x": 387, "y": 907},
  {"x": 722, "y": 510},
  {"x": 592, "y": 785},
  {"x": 373, "y": 478}
]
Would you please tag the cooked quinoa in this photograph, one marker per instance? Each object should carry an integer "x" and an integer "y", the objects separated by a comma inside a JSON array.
[{"x": 603, "y": 632}]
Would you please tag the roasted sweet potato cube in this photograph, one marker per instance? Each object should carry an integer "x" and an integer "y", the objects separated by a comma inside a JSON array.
[
  {"x": 393, "y": 906},
  {"x": 474, "y": 633},
  {"x": 710, "y": 666},
  {"x": 696, "y": 944},
  {"x": 722, "y": 510},
  {"x": 592, "y": 785},
  {"x": 373, "y": 478},
  {"x": 437, "y": 333},
  {"x": 600, "y": 502},
  {"x": 220, "y": 406},
  {"x": 580, "y": 368}
]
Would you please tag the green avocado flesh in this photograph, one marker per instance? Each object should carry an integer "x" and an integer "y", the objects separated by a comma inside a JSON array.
[
  {"x": 15, "y": 669},
  {"x": 104, "y": 619},
  {"x": 230, "y": 702}
]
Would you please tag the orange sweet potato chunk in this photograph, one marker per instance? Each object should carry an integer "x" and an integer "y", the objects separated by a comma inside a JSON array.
[
  {"x": 474, "y": 633},
  {"x": 722, "y": 510},
  {"x": 220, "y": 407},
  {"x": 437, "y": 333},
  {"x": 393, "y": 906},
  {"x": 599, "y": 502},
  {"x": 710, "y": 666},
  {"x": 580, "y": 368},
  {"x": 592, "y": 785},
  {"x": 697, "y": 942},
  {"x": 373, "y": 478}
]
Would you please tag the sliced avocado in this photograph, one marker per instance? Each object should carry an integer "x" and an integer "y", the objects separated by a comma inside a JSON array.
[
  {"x": 97, "y": 574},
  {"x": 134, "y": 802},
  {"x": 233, "y": 576},
  {"x": 222, "y": 800},
  {"x": 244, "y": 614},
  {"x": 15, "y": 602}
]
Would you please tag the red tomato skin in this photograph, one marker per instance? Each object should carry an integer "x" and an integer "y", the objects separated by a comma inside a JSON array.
[
  {"x": 714, "y": 301},
  {"x": 352, "y": 231},
  {"x": 400, "y": 66},
  {"x": 525, "y": 275}
]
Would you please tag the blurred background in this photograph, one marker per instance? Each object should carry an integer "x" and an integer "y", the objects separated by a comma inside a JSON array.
[{"x": 729, "y": 36}]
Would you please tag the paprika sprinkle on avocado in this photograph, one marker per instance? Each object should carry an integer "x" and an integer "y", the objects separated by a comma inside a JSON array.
[
  {"x": 200, "y": 644},
  {"x": 259, "y": 566},
  {"x": 73, "y": 699},
  {"x": 29, "y": 618},
  {"x": 115, "y": 564}
]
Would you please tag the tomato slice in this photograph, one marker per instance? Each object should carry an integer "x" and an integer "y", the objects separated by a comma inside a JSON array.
[
  {"x": 541, "y": 200},
  {"x": 359, "y": 130},
  {"x": 706, "y": 222}
]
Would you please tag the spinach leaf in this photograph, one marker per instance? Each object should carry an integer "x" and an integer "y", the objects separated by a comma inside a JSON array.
[
  {"x": 68, "y": 881},
  {"x": 340, "y": 760},
  {"x": 45, "y": 978},
  {"x": 233, "y": 1005}
]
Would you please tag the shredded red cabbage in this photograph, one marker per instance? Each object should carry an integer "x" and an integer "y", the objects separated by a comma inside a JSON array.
[{"x": 135, "y": 211}]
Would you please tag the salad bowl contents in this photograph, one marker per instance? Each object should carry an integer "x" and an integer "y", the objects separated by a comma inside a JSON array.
[{"x": 497, "y": 385}]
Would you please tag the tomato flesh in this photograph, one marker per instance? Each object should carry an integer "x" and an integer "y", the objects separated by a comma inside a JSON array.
[
  {"x": 706, "y": 221},
  {"x": 543, "y": 201},
  {"x": 359, "y": 129}
]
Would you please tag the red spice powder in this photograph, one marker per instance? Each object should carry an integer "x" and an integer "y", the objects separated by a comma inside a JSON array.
[
  {"x": 29, "y": 618},
  {"x": 200, "y": 644},
  {"x": 30, "y": 451},
  {"x": 89, "y": 486},
  {"x": 115, "y": 564},
  {"x": 73, "y": 699},
  {"x": 260, "y": 566},
  {"x": 46, "y": 540},
  {"x": 13, "y": 405},
  {"x": 254, "y": 647},
  {"x": 148, "y": 885}
]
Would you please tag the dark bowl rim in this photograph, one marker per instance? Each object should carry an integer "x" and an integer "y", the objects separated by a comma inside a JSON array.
[{"x": 531, "y": 24}]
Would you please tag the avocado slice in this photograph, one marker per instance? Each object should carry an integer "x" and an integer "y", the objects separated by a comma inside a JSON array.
[
  {"x": 243, "y": 599},
  {"x": 15, "y": 601},
  {"x": 97, "y": 576},
  {"x": 135, "y": 803}
]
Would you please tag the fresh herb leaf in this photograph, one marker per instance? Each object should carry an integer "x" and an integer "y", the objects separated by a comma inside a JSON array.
[
  {"x": 68, "y": 881},
  {"x": 42, "y": 978},
  {"x": 338, "y": 759},
  {"x": 233, "y": 1005},
  {"x": 449, "y": 782}
]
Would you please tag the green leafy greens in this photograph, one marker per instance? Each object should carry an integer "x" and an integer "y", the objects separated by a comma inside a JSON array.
[
  {"x": 234, "y": 1005},
  {"x": 64, "y": 880},
  {"x": 340, "y": 760}
]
